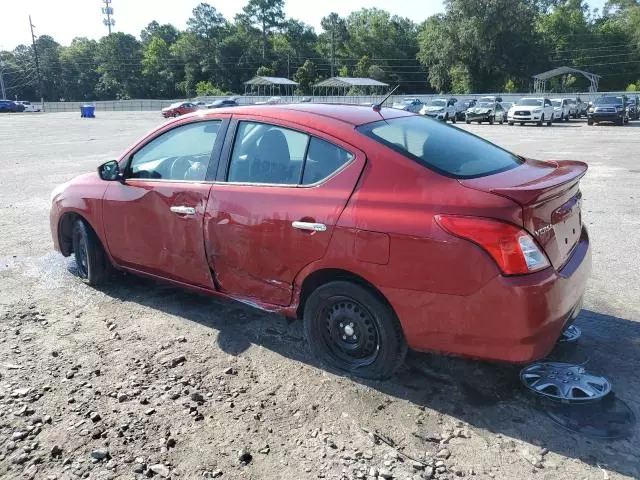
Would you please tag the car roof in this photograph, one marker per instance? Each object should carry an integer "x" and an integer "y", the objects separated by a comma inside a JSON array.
[{"x": 351, "y": 114}]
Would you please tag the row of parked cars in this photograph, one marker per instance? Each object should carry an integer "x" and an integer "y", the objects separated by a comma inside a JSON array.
[
  {"x": 9, "y": 106},
  {"x": 538, "y": 110}
]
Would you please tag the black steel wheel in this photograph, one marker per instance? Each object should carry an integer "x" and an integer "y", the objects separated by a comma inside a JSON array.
[
  {"x": 91, "y": 260},
  {"x": 352, "y": 329}
]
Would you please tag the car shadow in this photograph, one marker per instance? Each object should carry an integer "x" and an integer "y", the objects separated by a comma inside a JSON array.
[{"x": 483, "y": 394}]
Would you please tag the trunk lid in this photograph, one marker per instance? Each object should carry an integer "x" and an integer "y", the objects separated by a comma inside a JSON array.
[{"x": 549, "y": 194}]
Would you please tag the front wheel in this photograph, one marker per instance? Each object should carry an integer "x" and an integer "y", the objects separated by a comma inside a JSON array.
[
  {"x": 491, "y": 119},
  {"x": 352, "y": 329},
  {"x": 91, "y": 259},
  {"x": 468, "y": 122},
  {"x": 511, "y": 124},
  {"x": 541, "y": 121},
  {"x": 589, "y": 122},
  {"x": 454, "y": 119}
]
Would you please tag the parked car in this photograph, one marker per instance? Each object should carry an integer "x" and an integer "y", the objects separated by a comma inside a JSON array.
[
  {"x": 222, "y": 103},
  {"x": 11, "y": 106},
  {"x": 561, "y": 109},
  {"x": 462, "y": 107},
  {"x": 270, "y": 101},
  {"x": 409, "y": 104},
  {"x": 608, "y": 108},
  {"x": 573, "y": 107},
  {"x": 538, "y": 110},
  {"x": 488, "y": 109},
  {"x": 441, "y": 109},
  {"x": 179, "y": 108},
  {"x": 30, "y": 107},
  {"x": 483, "y": 254},
  {"x": 582, "y": 107},
  {"x": 633, "y": 107}
]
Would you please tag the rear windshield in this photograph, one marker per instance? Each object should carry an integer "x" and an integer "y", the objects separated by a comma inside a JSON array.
[{"x": 440, "y": 147}]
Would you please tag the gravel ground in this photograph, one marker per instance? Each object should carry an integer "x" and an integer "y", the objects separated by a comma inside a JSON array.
[{"x": 140, "y": 379}]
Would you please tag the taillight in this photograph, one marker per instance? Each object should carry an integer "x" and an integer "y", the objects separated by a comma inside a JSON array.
[{"x": 513, "y": 249}]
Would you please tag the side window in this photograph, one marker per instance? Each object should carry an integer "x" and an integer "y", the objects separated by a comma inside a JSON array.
[
  {"x": 323, "y": 159},
  {"x": 264, "y": 153},
  {"x": 179, "y": 154}
]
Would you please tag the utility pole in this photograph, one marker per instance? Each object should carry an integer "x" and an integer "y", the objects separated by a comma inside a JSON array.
[
  {"x": 35, "y": 53},
  {"x": 333, "y": 45},
  {"x": 288, "y": 66},
  {"x": 108, "y": 11},
  {"x": 4, "y": 92}
]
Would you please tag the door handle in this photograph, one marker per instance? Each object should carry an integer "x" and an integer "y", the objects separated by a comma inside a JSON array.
[
  {"x": 182, "y": 210},
  {"x": 313, "y": 227}
]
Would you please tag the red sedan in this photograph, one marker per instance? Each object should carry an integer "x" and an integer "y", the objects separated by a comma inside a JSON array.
[
  {"x": 177, "y": 109},
  {"x": 381, "y": 230}
]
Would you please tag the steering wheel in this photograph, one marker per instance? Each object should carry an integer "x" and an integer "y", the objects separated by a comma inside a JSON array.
[{"x": 179, "y": 167}]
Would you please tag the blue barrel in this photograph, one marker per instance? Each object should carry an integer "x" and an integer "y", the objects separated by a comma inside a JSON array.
[{"x": 87, "y": 111}]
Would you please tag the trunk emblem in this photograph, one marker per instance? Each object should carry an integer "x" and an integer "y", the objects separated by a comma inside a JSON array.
[{"x": 543, "y": 230}]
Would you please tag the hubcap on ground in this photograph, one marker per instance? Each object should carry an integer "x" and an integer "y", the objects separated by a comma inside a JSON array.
[
  {"x": 564, "y": 382},
  {"x": 350, "y": 333},
  {"x": 570, "y": 334}
]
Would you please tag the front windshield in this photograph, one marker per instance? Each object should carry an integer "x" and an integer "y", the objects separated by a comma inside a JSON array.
[
  {"x": 484, "y": 104},
  {"x": 485, "y": 100},
  {"x": 438, "y": 103},
  {"x": 608, "y": 101},
  {"x": 556, "y": 103},
  {"x": 407, "y": 101},
  {"x": 530, "y": 102}
]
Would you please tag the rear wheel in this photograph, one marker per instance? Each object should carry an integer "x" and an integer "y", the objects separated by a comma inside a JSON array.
[
  {"x": 91, "y": 259},
  {"x": 352, "y": 329}
]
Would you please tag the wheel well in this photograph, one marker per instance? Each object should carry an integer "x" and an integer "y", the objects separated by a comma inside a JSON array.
[
  {"x": 321, "y": 277},
  {"x": 65, "y": 231}
]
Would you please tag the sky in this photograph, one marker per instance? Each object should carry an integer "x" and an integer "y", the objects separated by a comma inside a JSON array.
[{"x": 66, "y": 19}]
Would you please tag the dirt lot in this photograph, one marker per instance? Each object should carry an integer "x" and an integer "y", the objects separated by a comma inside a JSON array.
[{"x": 142, "y": 379}]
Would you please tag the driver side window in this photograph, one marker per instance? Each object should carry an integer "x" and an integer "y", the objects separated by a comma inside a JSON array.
[{"x": 179, "y": 154}]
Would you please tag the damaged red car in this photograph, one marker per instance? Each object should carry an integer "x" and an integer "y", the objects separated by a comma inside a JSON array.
[{"x": 382, "y": 230}]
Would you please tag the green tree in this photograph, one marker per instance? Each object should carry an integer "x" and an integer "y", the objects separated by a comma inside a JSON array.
[
  {"x": 79, "y": 69},
  {"x": 266, "y": 15},
  {"x": 166, "y": 32},
  {"x": 120, "y": 67},
  {"x": 332, "y": 42},
  {"x": 204, "y": 89},
  {"x": 157, "y": 73},
  {"x": 306, "y": 77}
]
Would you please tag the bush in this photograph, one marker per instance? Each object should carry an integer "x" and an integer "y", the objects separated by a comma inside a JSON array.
[{"x": 206, "y": 89}]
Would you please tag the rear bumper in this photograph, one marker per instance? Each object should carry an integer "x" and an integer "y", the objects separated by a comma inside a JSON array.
[{"x": 512, "y": 319}]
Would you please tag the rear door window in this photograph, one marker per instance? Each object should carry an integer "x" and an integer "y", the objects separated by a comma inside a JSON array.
[{"x": 445, "y": 149}]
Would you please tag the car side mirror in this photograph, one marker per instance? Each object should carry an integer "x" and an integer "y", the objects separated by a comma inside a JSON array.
[{"x": 110, "y": 171}]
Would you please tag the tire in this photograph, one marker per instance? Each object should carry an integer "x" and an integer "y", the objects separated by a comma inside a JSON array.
[
  {"x": 589, "y": 121},
  {"x": 620, "y": 123},
  {"x": 491, "y": 120},
  {"x": 468, "y": 122},
  {"x": 549, "y": 124},
  {"x": 91, "y": 259},
  {"x": 454, "y": 119},
  {"x": 377, "y": 354},
  {"x": 541, "y": 120},
  {"x": 511, "y": 124},
  {"x": 522, "y": 124}
]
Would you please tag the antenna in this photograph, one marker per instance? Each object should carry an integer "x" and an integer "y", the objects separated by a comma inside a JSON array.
[
  {"x": 378, "y": 106},
  {"x": 108, "y": 11}
]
